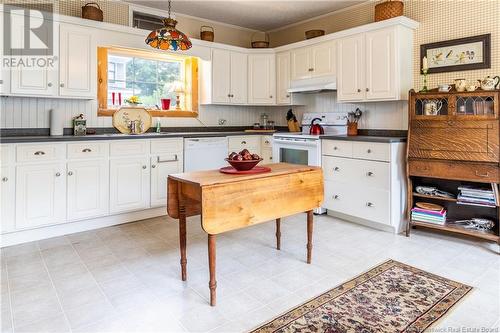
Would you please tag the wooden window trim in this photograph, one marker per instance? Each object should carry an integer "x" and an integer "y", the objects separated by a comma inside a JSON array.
[{"x": 191, "y": 77}]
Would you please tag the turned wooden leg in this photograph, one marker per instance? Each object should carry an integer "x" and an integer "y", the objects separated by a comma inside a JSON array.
[
  {"x": 278, "y": 234},
  {"x": 309, "y": 235},
  {"x": 182, "y": 233},
  {"x": 211, "y": 265}
]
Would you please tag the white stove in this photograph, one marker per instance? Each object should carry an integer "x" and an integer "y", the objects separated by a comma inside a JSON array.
[{"x": 304, "y": 148}]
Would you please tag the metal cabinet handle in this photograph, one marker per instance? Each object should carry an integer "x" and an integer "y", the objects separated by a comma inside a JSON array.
[
  {"x": 39, "y": 153},
  {"x": 271, "y": 158},
  {"x": 369, "y": 204},
  {"x": 228, "y": 95},
  {"x": 270, "y": 96},
  {"x": 336, "y": 197},
  {"x": 336, "y": 169},
  {"x": 70, "y": 173},
  {"x": 359, "y": 90},
  {"x": 367, "y": 89},
  {"x": 86, "y": 150},
  {"x": 144, "y": 167},
  {"x": 369, "y": 151},
  {"x": 485, "y": 175},
  {"x": 243, "y": 142},
  {"x": 153, "y": 166},
  {"x": 335, "y": 148},
  {"x": 287, "y": 96},
  {"x": 266, "y": 142},
  {"x": 5, "y": 179},
  {"x": 165, "y": 161},
  {"x": 58, "y": 174},
  {"x": 62, "y": 85},
  {"x": 369, "y": 173},
  {"x": 311, "y": 69},
  {"x": 49, "y": 84}
]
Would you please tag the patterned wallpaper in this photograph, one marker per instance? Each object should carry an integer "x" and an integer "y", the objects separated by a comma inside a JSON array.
[{"x": 440, "y": 20}]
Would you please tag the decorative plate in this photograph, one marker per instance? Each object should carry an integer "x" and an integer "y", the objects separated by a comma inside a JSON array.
[{"x": 123, "y": 117}]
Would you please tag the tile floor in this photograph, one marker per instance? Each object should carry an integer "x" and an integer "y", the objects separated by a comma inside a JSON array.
[{"x": 126, "y": 278}]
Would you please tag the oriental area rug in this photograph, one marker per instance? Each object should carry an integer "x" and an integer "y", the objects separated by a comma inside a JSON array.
[{"x": 392, "y": 297}]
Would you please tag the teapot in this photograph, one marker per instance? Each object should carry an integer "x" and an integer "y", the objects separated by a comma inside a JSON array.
[
  {"x": 472, "y": 86},
  {"x": 490, "y": 83}
]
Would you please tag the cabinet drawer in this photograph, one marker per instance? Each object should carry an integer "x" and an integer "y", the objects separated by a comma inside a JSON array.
[
  {"x": 339, "y": 197},
  {"x": 129, "y": 147},
  {"x": 45, "y": 152},
  {"x": 374, "y": 205},
  {"x": 235, "y": 142},
  {"x": 88, "y": 150},
  {"x": 372, "y": 151},
  {"x": 339, "y": 169},
  {"x": 336, "y": 148},
  {"x": 7, "y": 154},
  {"x": 166, "y": 146},
  {"x": 267, "y": 141},
  {"x": 454, "y": 170}
]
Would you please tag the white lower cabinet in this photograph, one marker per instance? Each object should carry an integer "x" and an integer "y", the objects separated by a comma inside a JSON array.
[
  {"x": 88, "y": 189},
  {"x": 8, "y": 190},
  {"x": 129, "y": 184},
  {"x": 365, "y": 181},
  {"x": 162, "y": 166},
  {"x": 40, "y": 194}
]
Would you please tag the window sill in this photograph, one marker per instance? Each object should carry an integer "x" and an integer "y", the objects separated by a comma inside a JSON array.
[{"x": 154, "y": 113}]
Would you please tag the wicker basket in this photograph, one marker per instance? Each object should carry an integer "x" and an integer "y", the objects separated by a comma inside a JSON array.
[
  {"x": 314, "y": 33},
  {"x": 207, "y": 33},
  {"x": 92, "y": 11},
  {"x": 388, "y": 9},
  {"x": 260, "y": 44}
]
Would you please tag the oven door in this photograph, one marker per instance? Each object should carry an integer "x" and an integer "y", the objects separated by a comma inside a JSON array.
[{"x": 297, "y": 150}]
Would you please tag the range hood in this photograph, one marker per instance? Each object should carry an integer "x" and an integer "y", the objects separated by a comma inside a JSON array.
[{"x": 317, "y": 84}]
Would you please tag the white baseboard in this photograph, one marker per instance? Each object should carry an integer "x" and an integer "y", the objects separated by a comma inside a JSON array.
[
  {"x": 25, "y": 236},
  {"x": 364, "y": 222}
]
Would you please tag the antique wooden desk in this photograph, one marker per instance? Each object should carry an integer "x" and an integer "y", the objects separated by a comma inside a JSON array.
[{"x": 230, "y": 202}]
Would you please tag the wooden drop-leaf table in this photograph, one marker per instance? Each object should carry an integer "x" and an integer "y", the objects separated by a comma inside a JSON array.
[{"x": 229, "y": 202}]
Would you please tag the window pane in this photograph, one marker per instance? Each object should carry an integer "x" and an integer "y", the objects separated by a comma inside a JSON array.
[
  {"x": 169, "y": 72},
  {"x": 145, "y": 70},
  {"x": 117, "y": 67},
  {"x": 148, "y": 92}
]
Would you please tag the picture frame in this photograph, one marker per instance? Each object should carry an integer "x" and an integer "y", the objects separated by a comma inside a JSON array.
[{"x": 460, "y": 54}]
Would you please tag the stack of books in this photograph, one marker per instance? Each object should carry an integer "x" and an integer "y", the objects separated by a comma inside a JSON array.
[
  {"x": 477, "y": 196},
  {"x": 429, "y": 216}
]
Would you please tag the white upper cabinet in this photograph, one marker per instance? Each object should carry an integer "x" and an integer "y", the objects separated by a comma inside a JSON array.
[
  {"x": 375, "y": 65},
  {"x": 229, "y": 77},
  {"x": 261, "y": 79},
  {"x": 313, "y": 61},
  {"x": 283, "y": 78},
  {"x": 350, "y": 76},
  {"x": 221, "y": 76},
  {"x": 301, "y": 64},
  {"x": 78, "y": 61},
  {"x": 239, "y": 78},
  {"x": 40, "y": 79}
]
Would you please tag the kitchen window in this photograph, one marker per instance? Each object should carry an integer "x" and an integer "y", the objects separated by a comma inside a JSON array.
[{"x": 157, "y": 79}]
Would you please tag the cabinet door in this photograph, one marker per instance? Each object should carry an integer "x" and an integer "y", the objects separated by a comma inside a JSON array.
[
  {"x": 301, "y": 64},
  {"x": 267, "y": 155},
  {"x": 40, "y": 195},
  {"x": 29, "y": 80},
  {"x": 88, "y": 189},
  {"x": 350, "y": 73},
  {"x": 129, "y": 184},
  {"x": 283, "y": 78},
  {"x": 8, "y": 191},
  {"x": 221, "y": 76},
  {"x": 381, "y": 79},
  {"x": 77, "y": 69},
  {"x": 162, "y": 166},
  {"x": 4, "y": 71},
  {"x": 323, "y": 59},
  {"x": 239, "y": 78},
  {"x": 261, "y": 78}
]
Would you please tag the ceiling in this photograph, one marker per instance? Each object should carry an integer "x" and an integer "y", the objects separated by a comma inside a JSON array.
[{"x": 263, "y": 15}]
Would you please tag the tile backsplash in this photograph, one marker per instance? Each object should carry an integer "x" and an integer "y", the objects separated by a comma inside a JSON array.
[{"x": 26, "y": 112}]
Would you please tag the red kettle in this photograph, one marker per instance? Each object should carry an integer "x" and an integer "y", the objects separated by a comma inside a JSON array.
[{"x": 316, "y": 129}]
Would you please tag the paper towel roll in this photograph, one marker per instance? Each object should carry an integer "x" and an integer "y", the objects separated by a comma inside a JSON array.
[{"x": 56, "y": 122}]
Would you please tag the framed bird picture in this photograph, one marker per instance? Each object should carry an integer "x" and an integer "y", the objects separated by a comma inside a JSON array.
[{"x": 458, "y": 54}]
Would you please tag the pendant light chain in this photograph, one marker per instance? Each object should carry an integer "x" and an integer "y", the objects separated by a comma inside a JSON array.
[{"x": 169, "y": 6}]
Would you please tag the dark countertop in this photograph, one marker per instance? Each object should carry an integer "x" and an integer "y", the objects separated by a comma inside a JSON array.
[
  {"x": 117, "y": 136},
  {"x": 366, "y": 138}
]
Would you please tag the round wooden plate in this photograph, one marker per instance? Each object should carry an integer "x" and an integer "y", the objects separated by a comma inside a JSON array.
[
  {"x": 233, "y": 171},
  {"x": 429, "y": 206}
]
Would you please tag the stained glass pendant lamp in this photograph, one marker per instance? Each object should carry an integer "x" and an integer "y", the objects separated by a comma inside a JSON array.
[{"x": 168, "y": 37}]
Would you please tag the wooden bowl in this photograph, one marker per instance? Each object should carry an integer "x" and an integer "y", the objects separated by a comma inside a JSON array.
[{"x": 243, "y": 165}]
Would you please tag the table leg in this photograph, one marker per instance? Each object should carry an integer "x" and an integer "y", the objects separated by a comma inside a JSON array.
[
  {"x": 182, "y": 232},
  {"x": 212, "y": 284},
  {"x": 278, "y": 234},
  {"x": 309, "y": 235}
]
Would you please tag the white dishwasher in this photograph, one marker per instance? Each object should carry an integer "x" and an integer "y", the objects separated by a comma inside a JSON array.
[{"x": 205, "y": 153}]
